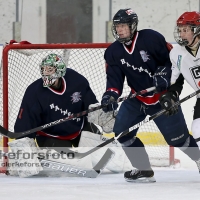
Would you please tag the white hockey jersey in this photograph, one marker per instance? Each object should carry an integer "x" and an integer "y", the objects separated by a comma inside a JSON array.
[{"x": 186, "y": 64}]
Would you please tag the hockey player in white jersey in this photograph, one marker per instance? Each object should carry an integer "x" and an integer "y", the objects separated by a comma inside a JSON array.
[{"x": 185, "y": 59}]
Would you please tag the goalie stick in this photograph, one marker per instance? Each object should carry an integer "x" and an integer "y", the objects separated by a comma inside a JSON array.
[
  {"x": 13, "y": 135},
  {"x": 53, "y": 166}
]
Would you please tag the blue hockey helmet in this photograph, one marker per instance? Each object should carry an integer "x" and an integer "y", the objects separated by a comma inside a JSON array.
[{"x": 125, "y": 16}]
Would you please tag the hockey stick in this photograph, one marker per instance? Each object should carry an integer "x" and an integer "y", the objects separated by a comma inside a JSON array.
[
  {"x": 59, "y": 168},
  {"x": 82, "y": 155},
  {"x": 13, "y": 135},
  {"x": 54, "y": 167}
]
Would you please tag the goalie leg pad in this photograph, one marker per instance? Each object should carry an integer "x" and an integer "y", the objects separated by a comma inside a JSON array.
[
  {"x": 53, "y": 143},
  {"x": 25, "y": 161},
  {"x": 52, "y": 155},
  {"x": 119, "y": 162},
  {"x": 55, "y": 164},
  {"x": 56, "y": 168},
  {"x": 196, "y": 130}
]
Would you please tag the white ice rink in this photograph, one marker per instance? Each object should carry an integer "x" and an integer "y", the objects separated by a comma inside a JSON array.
[{"x": 181, "y": 183}]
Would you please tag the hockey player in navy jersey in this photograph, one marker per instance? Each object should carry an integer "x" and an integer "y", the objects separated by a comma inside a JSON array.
[
  {"x": 143, "y": 58},
  {"x": 60, "y": 93},
  {"x": 185, "y": 58}
]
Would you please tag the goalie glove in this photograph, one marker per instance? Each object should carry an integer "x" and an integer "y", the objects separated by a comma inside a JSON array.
[
  {"x": 167, "y": 102},
  {"x": 104, "y": 119}
]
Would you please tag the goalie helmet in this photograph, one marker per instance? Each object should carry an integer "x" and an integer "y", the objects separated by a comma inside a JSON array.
[
  {"x": 55, "y": 68},
  {"x": 190, "y": 19},
  {"x": 125, "y": 16}
]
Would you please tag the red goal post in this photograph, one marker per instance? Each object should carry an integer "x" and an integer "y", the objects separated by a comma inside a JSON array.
[{"x": 20, "y": 67}]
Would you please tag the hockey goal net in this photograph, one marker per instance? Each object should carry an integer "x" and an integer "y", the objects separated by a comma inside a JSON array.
[{"x": 20, "y": 67}]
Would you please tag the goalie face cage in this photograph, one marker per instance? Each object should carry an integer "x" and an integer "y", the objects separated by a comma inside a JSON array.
[{"x": 21, "y": 68}]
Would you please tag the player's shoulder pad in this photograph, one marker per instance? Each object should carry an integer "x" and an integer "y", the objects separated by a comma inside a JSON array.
[
  {"x": 114, "y": 50},
  {"x": 34, "y": 88},
  {"x": 177, "y": 50},
  {"x": 114, "y": 45},
  {"x": 35, "y": 85},
  {"x": 150, "y": 32},
  {"x": 169, "y": 46},
  {"x": 74, "y": 75},
  {"x": 151, "y": 37}
]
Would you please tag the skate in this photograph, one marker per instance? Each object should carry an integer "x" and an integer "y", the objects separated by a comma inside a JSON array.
[
  {"x": 140, "y": 176},
  {"x": 198, "y": 164}
]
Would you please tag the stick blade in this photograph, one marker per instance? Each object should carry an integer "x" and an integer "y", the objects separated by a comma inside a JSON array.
[
  {"x": 99, "y": 167},
  {"x": 4, "y": 132}
]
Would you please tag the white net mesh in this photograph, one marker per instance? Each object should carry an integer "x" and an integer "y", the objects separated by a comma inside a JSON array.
[{"x": 23, "y": 69}]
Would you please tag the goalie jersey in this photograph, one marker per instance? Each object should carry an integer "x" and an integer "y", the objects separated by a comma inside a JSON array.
[
  {"x": 42, "y": 105},
  {"x": 138, "y": 64}
]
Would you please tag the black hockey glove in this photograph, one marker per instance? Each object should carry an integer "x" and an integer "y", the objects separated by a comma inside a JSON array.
[
  {"x": 161, "y": 79},
  {"x": 109, "y": 98},
  {"x": 167, "y": 102}
]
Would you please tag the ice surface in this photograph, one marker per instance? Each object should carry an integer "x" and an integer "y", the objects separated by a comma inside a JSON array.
[{"x": 172, "y": 183}]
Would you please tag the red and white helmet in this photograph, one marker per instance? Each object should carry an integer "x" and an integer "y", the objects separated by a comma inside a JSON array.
[{"x": 191, "y": 19}]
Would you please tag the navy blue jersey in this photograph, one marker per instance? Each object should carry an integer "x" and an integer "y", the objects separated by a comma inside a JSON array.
[
  {"x": 138, "y": 64},
  {"x": 42, "y": 105}
]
